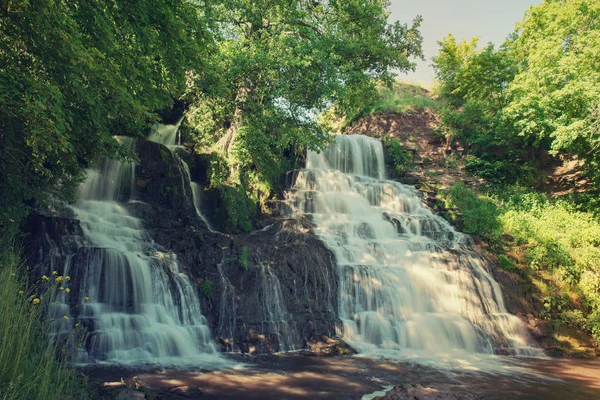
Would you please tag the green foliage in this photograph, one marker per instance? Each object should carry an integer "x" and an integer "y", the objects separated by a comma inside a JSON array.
[
  {"x": 397, "y": 155},
  {"x": 240, "y": 210},
  {"x": 539, "y": 90},
  {"x": 478, "y": 214},
  {"x": 560, "y": 241},
  {"x": 466, "y": 72},
  {"x": 506, "y": 263},
  {"x": 399, "y": 98},
  {"x": 276, "y": 65},
  {"x": 555, "y": 96},
  {"x": 29, "y": 367},
  {"x": 244, "y": 259},
  {"x": 73, "y": 74},
  {"x": 206, "y": 288}
]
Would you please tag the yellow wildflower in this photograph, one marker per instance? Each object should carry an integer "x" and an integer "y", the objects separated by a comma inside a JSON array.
[
  {"x": 36, "y": 301},
  {"x": 54, "y": 273},
  {"x": 68, "y": 277},
  {"x": 77, "y": 325},
  {"x": 65, "y": 317},
  {"x": 86, "y": 298},
  {"x": 21, "y": 292},
  {"x": 44, "y": 277},
  {"x": 59, "y": 279},
  {"x": 68, "y": 290},
  {"x": 61, "y": 288}
]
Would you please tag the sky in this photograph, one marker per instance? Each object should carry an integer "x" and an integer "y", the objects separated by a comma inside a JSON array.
[{"x": 492, "y": 20}]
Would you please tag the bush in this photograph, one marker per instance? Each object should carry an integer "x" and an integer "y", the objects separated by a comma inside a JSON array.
[
  {"x": 240, "y": 210},
  {"x": 245, "y": 258},
  {"x": 477, "y": 214},
  {"x": 397, "y": 155},
  {"x": 561, "y": 243},
  {"x": 506, "y": 263},
  {"x": 207, "y": 288}
]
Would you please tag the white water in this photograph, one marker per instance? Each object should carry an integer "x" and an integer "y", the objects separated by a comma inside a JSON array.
[
  {"x": 169, "y": 136},
  {"x": 408, "y": 282},
  {"x": 130, "y": 296}
]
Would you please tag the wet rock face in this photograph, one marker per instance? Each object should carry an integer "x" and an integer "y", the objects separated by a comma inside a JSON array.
[
  {"x": 271, "y": 290},
  {"x": 268, "y": 291},
  {"x": 48, "y": 234},
  {"x": 161, "y": 183}
]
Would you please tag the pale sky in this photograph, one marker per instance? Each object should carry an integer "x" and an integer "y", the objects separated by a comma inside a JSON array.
[{"x": 492, "y": 20}]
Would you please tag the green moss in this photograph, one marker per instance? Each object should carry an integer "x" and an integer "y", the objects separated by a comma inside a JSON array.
[
  {"x": 245, "y": 258},
  {"x": 206, "y": 288}
]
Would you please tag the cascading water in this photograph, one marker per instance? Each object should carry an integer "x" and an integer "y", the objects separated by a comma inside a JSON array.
[
  {"x": 168, "y": 135},
  {"x": 129, "y": 295},
  {"x": 408, "y": 280}
]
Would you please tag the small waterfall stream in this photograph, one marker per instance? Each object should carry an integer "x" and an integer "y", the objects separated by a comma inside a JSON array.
[
  {"x": 408, "y": 280},
  {"x": 128, "y": 294},
  {"x": 168, "y": 135}
]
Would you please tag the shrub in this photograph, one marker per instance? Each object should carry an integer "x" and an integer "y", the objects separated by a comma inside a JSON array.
[
  {"x": 398, "y": 156},
  {"x": 478, "y": 214},
  {"x": 506, "y": 263},
  {"x": 562, "y": 243},
  {"x": 207, "y": 288}
]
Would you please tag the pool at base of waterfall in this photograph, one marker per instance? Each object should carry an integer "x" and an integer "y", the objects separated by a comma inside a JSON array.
[{"x": 294, "y": 376}]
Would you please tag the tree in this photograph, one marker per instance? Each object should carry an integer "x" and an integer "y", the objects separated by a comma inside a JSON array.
[
  {"x": 279, "y": 63},
  {"x": 473, "y": 83},
  {"x": 74, "y": 73},
  {"x": 555, "y": 97},
  {"x": 466, "y": 72}
]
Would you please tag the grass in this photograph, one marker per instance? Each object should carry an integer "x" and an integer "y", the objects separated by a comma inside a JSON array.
[
  {"x": 29, "y": 365},
  {"x": 401, "y": 98}
]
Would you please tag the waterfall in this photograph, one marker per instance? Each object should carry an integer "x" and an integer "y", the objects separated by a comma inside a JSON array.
[
  {"x": 127, "y": 294},
  {"x": 408, "y": 280},
  {"x": 169, "y": 136}
]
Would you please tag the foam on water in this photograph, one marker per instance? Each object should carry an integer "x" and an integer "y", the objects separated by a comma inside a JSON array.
[
  {"x": 130, "y": 296},
  {"x": 409, "y": 283}
]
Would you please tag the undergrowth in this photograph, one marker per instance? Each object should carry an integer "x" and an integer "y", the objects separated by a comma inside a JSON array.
[
  {"x": 560, "y": 246},
  {"x": 30, "y": 367}
]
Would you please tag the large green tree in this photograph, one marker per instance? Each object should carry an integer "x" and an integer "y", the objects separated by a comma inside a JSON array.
[
  {"x": 279, "y": 63},
  {"x": 73, "y": 73},
  {"x": 473, "y": 81},
  {"x": 555, "y": 97}
]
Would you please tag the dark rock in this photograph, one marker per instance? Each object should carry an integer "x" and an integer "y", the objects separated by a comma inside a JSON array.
[
  {"x": 46, "y": 233},
  {"x": 163, "y": 185},
  {"x": 328, "y": 346},
  {"x": 418, "y": 392},
  {"x": 130, "y": 394},
  {"x": 271, "y": 290}
]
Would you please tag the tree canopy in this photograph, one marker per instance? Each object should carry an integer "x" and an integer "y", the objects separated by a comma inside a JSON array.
[
  {"x": 540, "y": 88},
  {"x": 73, "y": 74},
  {"x": 277, "y": 65}
]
